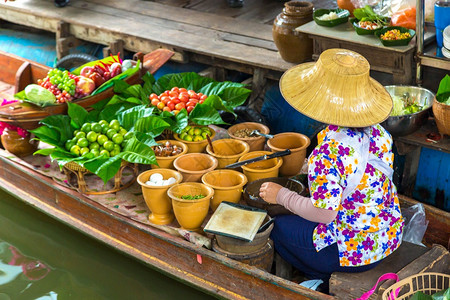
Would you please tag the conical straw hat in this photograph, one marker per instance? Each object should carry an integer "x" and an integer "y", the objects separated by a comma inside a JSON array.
[{"x": 337, "y": 90}]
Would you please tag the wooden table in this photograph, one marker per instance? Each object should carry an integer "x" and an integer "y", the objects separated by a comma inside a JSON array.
[{"x": 397, "y": 61}]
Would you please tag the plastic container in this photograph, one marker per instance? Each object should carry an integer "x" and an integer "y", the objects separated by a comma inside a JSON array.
[{"x": 441, "y": 19}]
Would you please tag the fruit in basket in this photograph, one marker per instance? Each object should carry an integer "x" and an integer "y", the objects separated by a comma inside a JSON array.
[
  {"x": 90, "y": 141},
  {"x": 195, "y": 133},
  {"x": 86, "y": 85},
  {"x": 176, "y": 99}
]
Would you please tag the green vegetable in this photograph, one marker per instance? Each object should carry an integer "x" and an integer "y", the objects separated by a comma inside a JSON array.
[
  {"x": 190, "y": 197},
  {"x": 443, "y": 93},
  {"x": 39, "y": 95},
  {"x": 404, "y": 106},
  {"x": 367, "y": 14},
  {"x": 420, "y": 296}
]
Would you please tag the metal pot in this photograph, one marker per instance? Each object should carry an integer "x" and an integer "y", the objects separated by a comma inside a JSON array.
[{"x": 407, "y": 124}]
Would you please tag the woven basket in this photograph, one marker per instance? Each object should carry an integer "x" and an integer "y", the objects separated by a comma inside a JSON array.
[
  {"x": 441, "y": 113},
  {"x": 428, "y": 283},
  {"x": 72, "y": 168}
]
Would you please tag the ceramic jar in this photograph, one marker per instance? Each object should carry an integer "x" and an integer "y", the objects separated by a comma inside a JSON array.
[
  {"x": 294, "y": 47},
  {"x": 18, "y": 145}
]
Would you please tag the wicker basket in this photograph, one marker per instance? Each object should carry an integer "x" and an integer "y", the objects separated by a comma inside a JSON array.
[
  {"x": 441, "y": 113},
  {"x": 428, "y": 283},
  {"x": 72, "y": 168}
]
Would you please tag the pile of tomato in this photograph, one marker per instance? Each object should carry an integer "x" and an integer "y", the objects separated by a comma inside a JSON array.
[{"x": 176, "y": 99}]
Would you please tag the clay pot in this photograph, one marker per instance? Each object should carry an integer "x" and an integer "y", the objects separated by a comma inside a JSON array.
[
  {"x": 297, "y": 143},
  {"x": 227, "y": 185},
  {"x": 227, "y": 151},
  {"x": 196, "y": 147},
  {"x": 190, "y": 214},
  {"x": 256, "y": 143},
  {"x": 167, "y": 161},
  {"x": 193, "y": 165},
  {"x": 261, "y": 169},
  {"x": 156, "y": 197},
  {"x": 237, "y": 246},
  {"x": 294, "y": 47},
  {"x": 18, "y": 145}
]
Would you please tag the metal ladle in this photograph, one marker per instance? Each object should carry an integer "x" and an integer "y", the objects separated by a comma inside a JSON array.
[{"x": 267, "y": 136}]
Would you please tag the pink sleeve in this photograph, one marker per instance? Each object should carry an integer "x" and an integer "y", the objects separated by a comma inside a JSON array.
[{"x": 304, "y": 207}]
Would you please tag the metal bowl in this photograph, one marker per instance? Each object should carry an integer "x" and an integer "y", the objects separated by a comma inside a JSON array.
[{"x": 407, "y": 124}]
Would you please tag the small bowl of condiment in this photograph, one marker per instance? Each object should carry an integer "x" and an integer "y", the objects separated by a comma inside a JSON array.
[
  {"x": 395, "y": 36},
  {"x": 167, "y": 151},
  {"x": 243, "y": 132},
  {"x": 331, "y": 17}
]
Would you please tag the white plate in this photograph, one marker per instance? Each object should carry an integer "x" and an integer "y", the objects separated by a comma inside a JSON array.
[{"x": 445, "y": 52}]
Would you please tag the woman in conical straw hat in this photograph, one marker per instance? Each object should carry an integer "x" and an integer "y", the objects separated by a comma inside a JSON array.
[{"x": 352, "y": 219}]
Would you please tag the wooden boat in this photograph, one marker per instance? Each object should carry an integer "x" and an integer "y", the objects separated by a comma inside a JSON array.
[
  {"x": 174, "y": 256},
  {"x": 20, "y": 72}
]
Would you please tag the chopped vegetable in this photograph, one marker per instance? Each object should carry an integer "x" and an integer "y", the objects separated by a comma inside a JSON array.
[
  {"x": 367, "y": 14},
  {"x": 395, "y": 34},
  {"x": 190, "y": 197},
  {"x": 369, "y": 25},
  {"x": 328, "y": 17},
  {"x": 405, "y": 106}
]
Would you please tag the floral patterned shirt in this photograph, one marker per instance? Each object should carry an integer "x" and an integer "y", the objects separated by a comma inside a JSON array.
[{"x": 368, "y": 226}]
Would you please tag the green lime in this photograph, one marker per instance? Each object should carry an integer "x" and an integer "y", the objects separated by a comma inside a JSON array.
[
  {"x": 188, "y": 138},
  {"x": 191, "y": 131},
  {"x": 122, "y": 131},
  {"x": 105, "y": 128},
  {"x": 69, "y": 144},
  {"x": 197, "y": 131},
  {"x": 84, "y": 150},
  {"x": 91, "y": 136},
  {"x": 186, "y": 129},
  {"x": 83, "y": 142},
  {"x": 108, "y": 145},
  {"x": 94, "y": 145},
  {"x": 128, "y": 135},
  {"x": 75, "y": 149},
  {"x": 86, "y": 127},
  {"x": 198, "y": 138},
  {"x": 204, "y": 134},
  {"x": 101, "y": 139},
  {"x": 207, "y": 130},
  {"x": 104, "y": 152},
  {"x": 96, "y": 152},
  {"x": 96, "y": 127},
  {"x": 117, "y": 147},
  {"x": 114, "y": 124},
  {"x": 183, "y": 135},
  {"x": 114, "y": 152},
  {"x": 110, "y": 133},
  {"x": 103, "y": 122},
  {"x": 80, "y": 135},
  {"x": 117, "y": 138}
]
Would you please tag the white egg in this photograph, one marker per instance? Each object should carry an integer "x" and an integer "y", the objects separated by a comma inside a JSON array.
[
  {"x": 150, "y": 183},
  {"x": 171, "y": 180},
  {"x": 159, "y": 183},
  {"x": 156, "y": 177}
]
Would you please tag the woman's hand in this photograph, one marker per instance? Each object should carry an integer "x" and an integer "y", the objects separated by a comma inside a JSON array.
[{"x": 268, "y": 192}]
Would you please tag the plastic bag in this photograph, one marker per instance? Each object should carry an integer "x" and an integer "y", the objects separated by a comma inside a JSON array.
[
  {"x": 405, "y": 18},
  {"x": 415, "y": 224}
]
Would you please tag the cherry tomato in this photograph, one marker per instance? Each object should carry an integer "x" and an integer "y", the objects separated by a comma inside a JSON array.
[
  {"x": 161, "y": 105},
  {"x": 175, "y": 112},
  {"x": 155, "y": 102},
  {"x": 153, "y": 96},
  {"x": 171, "y": 105},
  {"x": 165, "y": 99},
  {"x": 184, "y": 97},
  {"x": 200, "y": 94},
  {"x": 166, "y": 108},
  {"x": 180, "y": 106},
  {"x": 183, "y": 90},
  {"x": 194, "y": 96},
  {"x": 176, "y": 100},
  {"x": 189, "y": 108},
  {"x": 190, "y": 103},
  {"x": 201, "y": 101},
  {"x": 175, "y": 89},
  {"x": 193, "y": 100},
  {"x": 173, "y": 94},
  {"x": 203, "y": 97}
]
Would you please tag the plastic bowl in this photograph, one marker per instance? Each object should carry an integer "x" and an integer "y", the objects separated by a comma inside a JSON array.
[
  {"x": 344, "y": 14},
  {"x": 390, "y": 43},
  {"x": 407, "y": 124}
]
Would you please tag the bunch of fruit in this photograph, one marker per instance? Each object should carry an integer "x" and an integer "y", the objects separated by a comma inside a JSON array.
[
  {"x": 195, "y": 133},
  {"x": 176, "y": 99},
  {"x": 62, "y": 84},
  {"x": 99, "y": 138}
]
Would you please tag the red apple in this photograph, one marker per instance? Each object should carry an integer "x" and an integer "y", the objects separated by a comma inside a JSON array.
[
  {"x": 86, "y": 71},
  {"x": 85, "y": 84}
]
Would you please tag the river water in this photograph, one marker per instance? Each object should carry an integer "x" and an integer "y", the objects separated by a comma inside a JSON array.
[{"x": 41, "y": 258}]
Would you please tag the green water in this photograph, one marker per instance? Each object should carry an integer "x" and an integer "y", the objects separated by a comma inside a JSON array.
[{"x": 41, "y": 258}]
